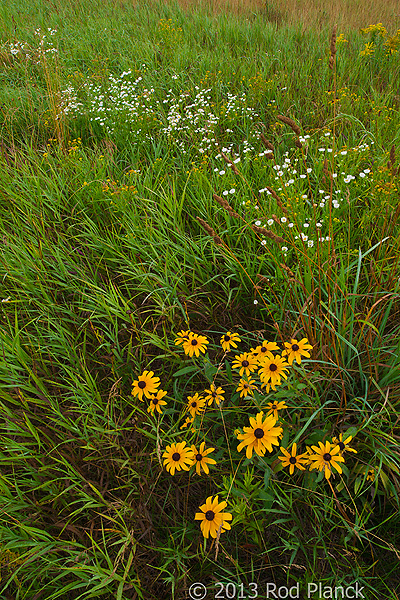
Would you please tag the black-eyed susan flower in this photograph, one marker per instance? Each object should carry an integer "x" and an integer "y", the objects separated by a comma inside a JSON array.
[
  {"x": 246, "y": 387},
  {"x": 181, "y": 337},
  {"x": 195, "y": 404},
  {"x": 178, "y": 456},
  {"x": 274, "y": 407},
  {"x": 214, "y": 393},
  {"x": 370, "y": 474},
  {"x": 272, "y": 370},
  {"x": 195, "y": 344},
  {"x": 201, "y": 458},
  {"x": 213, "y": 520},
  {"x": 293, "y": 460},
  {"x": 343, "y": 443},
  {"x": 260, "y": 436},
  {"x": 229, "y": 340},
  {"x": 326, "y": 458},
  {"x": 295, "y": 350},
  {"x": 156, "y": 402},
  {"x": 264, "y": 349},
  {"x": 146, "y": 384},
  {"x": 246, "y": 363},
  {"x": 189, "y": 421}
]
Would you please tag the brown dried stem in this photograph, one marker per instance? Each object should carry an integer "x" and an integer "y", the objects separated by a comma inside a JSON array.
[
  {"x": 210, "y": 231},
  {"x": 222, "y": 202}
]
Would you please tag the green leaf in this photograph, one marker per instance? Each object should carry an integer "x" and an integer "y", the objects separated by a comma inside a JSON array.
[
  {"x": 267, "y": 476},
  {"x": 285, "y": 438},
  {"x": 209, "y": 371},
  {"x": 228, "y": 371},
  {"x": 186, "y": 370}
]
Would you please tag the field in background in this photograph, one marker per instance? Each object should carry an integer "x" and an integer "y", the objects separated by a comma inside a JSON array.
[
  {"x": 217, "y": 168},
  {"x": 314, "y": 14}
]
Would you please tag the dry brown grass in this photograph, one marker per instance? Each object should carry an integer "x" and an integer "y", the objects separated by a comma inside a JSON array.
[{"x": 347, "y": 14}]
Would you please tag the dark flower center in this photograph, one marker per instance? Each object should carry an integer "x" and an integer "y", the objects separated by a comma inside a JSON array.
[
  {"x": 273, "y": 367},
  {"x": 341, "y": 446},
  {"x": 246, "y": 385},
  {"x": 293, "y": 460},
  {"x": 213, "y": 394},
  {"x": 194, "y": 404},
  {"x": 227, "y": 338},
  {"x": 155, "y": 400},
  {"x": 210, "y": 514},
  {"x": 327, "y": 457},
  {"x": 259, "y": 433},
  {"x": 176, "y": 456},
  {"x": 142, "y": 385},
  {"x": 245, "y": 363},
  {"x": 263, "y": 349},
  {"x": 199, "y": 457},
  {"x": 194, "y": 342},
  {"x": 295, "y": 347}
]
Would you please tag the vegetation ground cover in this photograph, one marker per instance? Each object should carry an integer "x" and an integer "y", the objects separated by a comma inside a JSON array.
[{"x": 199, "y": 358}]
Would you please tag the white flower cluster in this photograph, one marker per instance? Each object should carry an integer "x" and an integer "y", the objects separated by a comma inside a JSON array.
[
  {"x": 288, "y": 176},
  {"x": 23, "y": 49},
  {"x": 188, "y": 122}
]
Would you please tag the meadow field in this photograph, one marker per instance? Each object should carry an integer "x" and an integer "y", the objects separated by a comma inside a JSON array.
[{"x": 200, "y": 284}]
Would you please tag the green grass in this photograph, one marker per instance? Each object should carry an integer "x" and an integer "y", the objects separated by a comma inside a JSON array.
[{"x": 104, "y": 261}]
